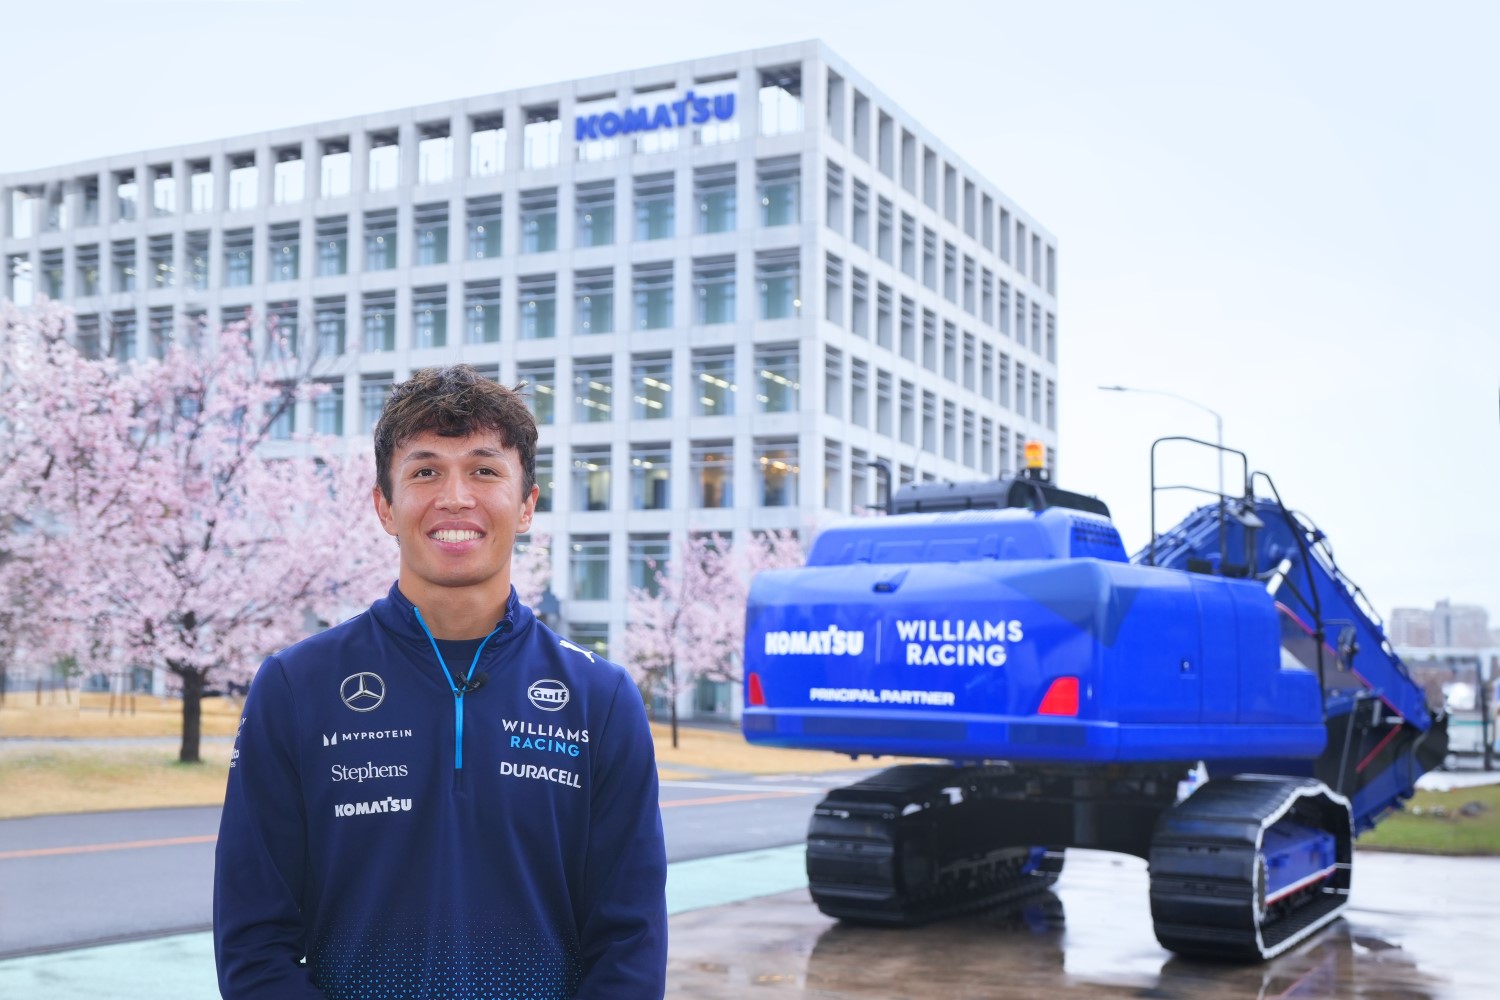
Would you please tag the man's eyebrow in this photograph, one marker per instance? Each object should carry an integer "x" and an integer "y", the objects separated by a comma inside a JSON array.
[{"x": 427, "y": 456}]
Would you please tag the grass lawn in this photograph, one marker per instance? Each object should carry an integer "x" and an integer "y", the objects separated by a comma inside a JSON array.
[{"x": 1439, "y": 823}]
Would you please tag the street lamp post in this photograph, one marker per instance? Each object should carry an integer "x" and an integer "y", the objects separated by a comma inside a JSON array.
[{"x": 1218, "y": 420}]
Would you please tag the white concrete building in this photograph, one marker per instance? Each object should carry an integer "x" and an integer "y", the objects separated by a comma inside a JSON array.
[{"x": 732, "y": 284}]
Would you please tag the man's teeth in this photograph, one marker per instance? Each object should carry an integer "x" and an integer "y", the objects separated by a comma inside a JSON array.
[{"x": 448, "y": 535}]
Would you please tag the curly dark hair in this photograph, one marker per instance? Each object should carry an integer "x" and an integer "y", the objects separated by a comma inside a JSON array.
[{"x": 454, "y": 401}]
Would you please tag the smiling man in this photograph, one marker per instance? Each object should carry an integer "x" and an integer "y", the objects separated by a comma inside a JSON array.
[{"x": 441, "y": 797}]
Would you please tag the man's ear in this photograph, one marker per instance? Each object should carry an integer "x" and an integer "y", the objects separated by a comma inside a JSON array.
[
  {"x": 383, "y": 510},
  {"x": 528, "y": 508}
]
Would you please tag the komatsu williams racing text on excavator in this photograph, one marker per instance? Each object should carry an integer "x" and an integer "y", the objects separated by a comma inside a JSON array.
[{"x": 1001, "y": 628}]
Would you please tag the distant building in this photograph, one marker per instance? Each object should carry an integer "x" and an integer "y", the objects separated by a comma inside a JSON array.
[
  {"x": 1448, "y": 625},
  {"x": 1411, "y": 627}
]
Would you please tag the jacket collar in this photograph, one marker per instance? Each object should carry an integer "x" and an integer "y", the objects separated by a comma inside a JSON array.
[{"x": 396, "y": 613}]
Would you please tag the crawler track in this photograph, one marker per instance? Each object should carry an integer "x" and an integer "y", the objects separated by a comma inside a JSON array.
[{"x": 1208, "y": 874}]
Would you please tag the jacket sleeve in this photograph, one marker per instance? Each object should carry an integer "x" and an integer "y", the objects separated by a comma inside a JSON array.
[
  {"x": 259, "y": 862},
  {"x": 622, "y": 918}
]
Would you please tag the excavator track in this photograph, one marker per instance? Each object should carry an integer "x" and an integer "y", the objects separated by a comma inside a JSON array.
[
  {"x": 910, "y": 845},
  {"x": 1211, "y": 895}
]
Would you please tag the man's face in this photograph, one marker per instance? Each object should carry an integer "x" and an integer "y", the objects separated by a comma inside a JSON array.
[{"x": 456, "y": 508}]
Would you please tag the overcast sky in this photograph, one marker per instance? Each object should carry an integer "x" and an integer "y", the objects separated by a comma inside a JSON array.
[{"x": 1287, "y": 212}]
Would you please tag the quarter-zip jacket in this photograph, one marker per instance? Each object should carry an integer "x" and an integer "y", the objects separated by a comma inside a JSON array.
[{"x": 414, "y": 839}]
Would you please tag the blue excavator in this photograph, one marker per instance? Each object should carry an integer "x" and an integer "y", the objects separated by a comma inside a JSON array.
[{"x": 1224, "y": 704}]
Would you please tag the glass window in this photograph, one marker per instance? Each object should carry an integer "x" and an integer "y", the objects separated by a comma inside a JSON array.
[
  {"x": 833, "y": 382},
  {"x": 486, "y": 145},
  {"x": 285, "y": 251},
  {"x": 429, "y": 317},
  {"x": 859, "y": 228},
  {"x": 538, "y": 304},
  {"x": 160, "y": 265},
  {"x": 950, "y": 352},
  {"x": 594, "y": 301},
  {"x": 195, "y": 257},
  {"x": 23, "y": 202},
  {"x": 328, "y": 407},
  {"x": 834, "y": 198},
  {"x": 588, "y": 567},
  {"x": 649, "y": 556},
  {"x": 53, "y": 272},
  {"x": 18, "y": 273},
  {"x": 384, "y": 161},
  {"x": 289, "y": 176},
  {"x": 484, "y": 217},
  {"x": 541, "y": 138},
  {"x": 776, "y": 463},
  {"x": 833, "y": 290},
  {"x": 651, "y": 387},
  {"x": 244, "y": 182},
  {"x": 337, "y": 168},
  {"x": 541, "y": 378},
  {"x": 239, "y": 247},
  {"x": 713, "y": 290},
  {"x": 86, "y": 261},
  {"x": 88, "y": 339},
  {"x": 655, "y": 209},
  {"x": 713, "y": 474},
  {"x": 331, "y": 317},
  {"x": 163, "y": 191},
  {"x": 591, "y": 478},
  {"x": 431, "y": 222},
  {"x": 908, "y": 413},
  {"x": 653, "y": 296},
  {"x": 482, "y": 312},
  {"x": 778, "y": 277},
  {"x": 539, "y": 220},
  {"x": 380, "y": 240},
  {"x": 546, "y": 485},
  {"x": 283, "y": 330},
  {"x": 333, "y": 246},
  {"x": 713, "y": 382},
  {"x": 650, "y": 477},
  {"x": 833, "y": 474},
  {"x": 57, "y": 210},
  {"x": 122, "y": 261},
  {"x": 779, "y": 184},
  {"x": 777, "y": 385},
  {"x": 883, "y": 401},
  {"x": 373, "y": 390},
  {"x": 122, "y": 335},
  {"x": 378, "y": 312},
  {"x": 127, "y": 198},
  {"x": 908, "y": 329},
  {"x": 950, "y": 430},
  {"x": 159, "y": 331},
  {"x": 859, "y": 392},
  {"x": 859, "y": 302},
  {"x": 595, "y": 205},
  {"x": 714, "y": 193},
  {"x": 90, "y": 189},
  {"x": 593, "y": 390},
  {"x": 780, "y": 102},
  {"x": 929, "y": 422},
  {"x": 434, "y": 153}
]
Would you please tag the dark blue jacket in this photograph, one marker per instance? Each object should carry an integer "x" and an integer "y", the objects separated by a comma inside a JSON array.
[{"x": 415, "y": 841}]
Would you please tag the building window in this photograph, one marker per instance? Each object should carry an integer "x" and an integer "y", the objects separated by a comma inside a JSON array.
[
  {"x": 546, "y": 485},
  {"x": 859, "y": 302},
  {"x": 859, "y": 129},
  {"x": 328, "y": 407},
  {"x": 721, "y": 126},
  {"x": 778, "y": 277},
  {"x": 834, "y": 199},
  {"x": 283, "y": 329},
  {"x": 541, "y": 378},
  {"x": 288, "y": 176},
  {"x": 539, "y": 220},
  {"x": 859, "y": 481},
  {"x": 482, "y": 312},
  {"x": 541, "y": 138},
  {"x": 18, "y": 273},
  {"x": 651, "y": 387},
  {"x": 883, "y": 402},
  {"x": 282, "y": 412},
  {"x": 929, "y": 422},
  {"x": 378, "y": 311},
  {"x": 1051, "y": 338},
  {"x": 123, "y": 264},
  {"x": 969, "y": 361},
  {"x": 859, "y": 227},
  {"x": 122, "y": 335},
  {"x": 594, "y": 301},
  {"x": 486, "y": 145},
  {"x": 859, "y": 392},
  {"x": 777, "y": 385},
  {"x": 595, "y": 205},
  {"x": 90, "y": 189},
  {"x": 950, "y": 430},
  {"x": 431, "y": 223},
  {"x": 833, "y": 290},
  {"x": 653, "y": 296},
  {"x": 333, "y": 246},
  {"x": 776, "y": 462},
  {"x": 127, "y": 199},
  {"x": 833, "y": 475},
  {"x": 484, "y": 218},
  {"x": 429, "y": 319},
  {"x": 987, "y": 296},
  {"x": 53, "y": 272},
  {"x": 195, "y": 255},
  {"x": 713, "y": 474},
  {"x": 593, "y": 390},
  {"x": 285, "y": 251},
  {"x": 239, "y": 247},
  {"x": 591, "y": 478},
  {"x": 1051, "y": 405},
  {"x": 588, "y": 567},
  {"x": 779, "y": 184},
  {"x": 159, "y": 261},
  {"x": 929, "y": 258},
  {"x": 23, "y": 202},
  {"x": 780, "y": 102},
  {"x": 244, "y": 182},
  {"x": 833, "y": 382},
  {"x": 713, "y": 290},
  {"x": 380, "y": 240},
  {"x": 330, "y": 315},
  {"x": 885, "y": 230},
  {"x": 986, "y": 371},
  {"x": 714, "y": 193},
  {"x": 969, "y": 284},
  {"x": 159, "y": 331},
  {"x": 434, "y": 153},
  {"x": 908, "y": 413},
  {"x": 384, "y": 161},
  {"x": 163, "y": 192},
  {"x": 57, "y": 208},
  {"x": 883, "y": 322},
  {"x": 648, "y": 562},
  {"x": 885, "y": 143},
  {"x": 650, "y": 477},
  {"x": 908, "y": 329},
  {"x": 950, "y": 352},
  {"x": 929, "y": 340},
  {"x": 88, "y": 340},
  {"x": 590, "y": 146},
  {"x": 1005, "y": 308},
  {"x": 655, "y": 211},
  {"x": 1004, "y": 379},
  {"x": 538, "y": 302},
  {"x": 336, "y": 165},
  {"x": 713, "y": 382}
]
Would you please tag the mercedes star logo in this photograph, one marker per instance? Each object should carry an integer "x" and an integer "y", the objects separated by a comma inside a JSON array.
[{"x": 363, "y": 692}]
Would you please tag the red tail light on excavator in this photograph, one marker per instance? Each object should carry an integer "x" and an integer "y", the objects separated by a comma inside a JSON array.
[
  {"x": 1061, "y": 698},
  {"x": 755, "y": 695}
]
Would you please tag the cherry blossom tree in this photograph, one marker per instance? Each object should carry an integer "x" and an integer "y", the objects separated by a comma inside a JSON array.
[{"x": 167, "y": 524}]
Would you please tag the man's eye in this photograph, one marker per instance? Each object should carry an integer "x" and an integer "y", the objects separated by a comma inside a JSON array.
[
  {"x": 483, "y": 470},
  {"x": 424, "y": 473}
]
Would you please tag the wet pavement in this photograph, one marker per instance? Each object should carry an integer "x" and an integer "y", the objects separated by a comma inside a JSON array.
[{"x": 1417, "y": 928}]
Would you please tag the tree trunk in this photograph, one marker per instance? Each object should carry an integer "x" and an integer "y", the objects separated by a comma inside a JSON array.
[
  {"x": 674, "y": 723},
  {"x": 192, "y": 714}
]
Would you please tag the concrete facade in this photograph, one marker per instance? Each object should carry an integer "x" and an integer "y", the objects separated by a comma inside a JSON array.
[{"x": 723, "y": 318}]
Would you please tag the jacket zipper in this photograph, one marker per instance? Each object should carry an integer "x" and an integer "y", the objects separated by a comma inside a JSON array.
[{"x": 458, "y": 692}]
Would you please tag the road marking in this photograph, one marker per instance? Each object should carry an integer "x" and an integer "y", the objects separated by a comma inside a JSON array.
[{"x": 123, "y": 845}]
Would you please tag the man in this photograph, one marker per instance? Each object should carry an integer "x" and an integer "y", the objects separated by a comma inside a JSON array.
[{"x": 442, "y": 798}]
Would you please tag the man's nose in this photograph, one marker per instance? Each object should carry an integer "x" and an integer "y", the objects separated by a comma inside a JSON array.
[{"x": 456, "y": 494}]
